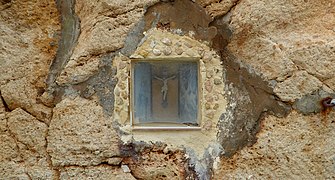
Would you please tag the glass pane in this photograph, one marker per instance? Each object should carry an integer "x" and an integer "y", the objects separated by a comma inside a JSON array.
[
  {"x": 142, "y": 91},
  {"x": 165, "y": 93}
]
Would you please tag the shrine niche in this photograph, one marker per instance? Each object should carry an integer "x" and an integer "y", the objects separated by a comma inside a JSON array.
[
  {"x": 171, "y": 83},
  {"x": 165, "y": 93}
]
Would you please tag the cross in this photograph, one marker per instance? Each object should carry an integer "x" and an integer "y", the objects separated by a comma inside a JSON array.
[{"x": 164, "y": 89}]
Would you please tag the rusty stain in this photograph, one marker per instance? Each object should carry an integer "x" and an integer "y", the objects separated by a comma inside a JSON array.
[
  {"x": 327, "y": 106},
  {"x": 163, "y": 26}
]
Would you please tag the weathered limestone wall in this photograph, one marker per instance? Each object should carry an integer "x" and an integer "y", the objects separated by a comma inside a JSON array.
[
  {"x": 28, "y": 43},
  {"x": 64, "y": 69}
]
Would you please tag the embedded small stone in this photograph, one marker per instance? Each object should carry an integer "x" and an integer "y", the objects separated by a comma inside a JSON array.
[
  {"x": 187, "y": 44},
  {"x": 217, "y": 81},
  {"x": 122, "y": 65},
  {"x": 122, "y": 86},
  {"x": 124, "y": 77},
  {"x": 208, "y": 86},
  {"x": 179, "y": 51},
  {"x": 156, "y": 52},
  {"x": 209, "y": 98},
  {"x": 191, "y": 52},
  {"x": 119, "y": 101},
  {"x": 117, "y": 92},
  {"x": 152, "y": 44},
  {"x": 210, "y": 115},
  {"x": 208, "y": 125},
  {"x": 216, "y": 106},
  {"x": 125, "y": 168},
  {"x": 191, "y": 33},
  {"x": 216, "y": 97},
  {"x": 178, "y": 44},
  {"x": 209, "y": 74},
  {"x": 167, "y": 41},
  {"x": 96, "y": 152},
  {"x": 143, "y": 53},
  {"x": 201, "y": 52},
  {"x": 207, "y": 57},
  {"x": 124, "y": 95},
  {"x": 167, "y": 51},
  {"x": 207, "y": 105},
  {"x": 114, "y": 161}
]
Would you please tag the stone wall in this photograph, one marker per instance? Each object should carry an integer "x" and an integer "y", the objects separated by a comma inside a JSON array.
[{"x": 265, "y": 68}]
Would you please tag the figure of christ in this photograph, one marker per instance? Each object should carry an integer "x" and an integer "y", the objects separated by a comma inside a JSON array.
[{"x": 165, "y": 88}]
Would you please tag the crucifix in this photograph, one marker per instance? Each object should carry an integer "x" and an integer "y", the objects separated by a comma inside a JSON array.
[{"x": 164, "y": 89}]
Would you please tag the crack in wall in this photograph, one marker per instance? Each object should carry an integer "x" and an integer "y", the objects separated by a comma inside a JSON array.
[
  {"x": 4, "y": 103},
  {"x": 28, "y": 176},
  {"x": 11, "y": 134},
  {"x": 48, "y": 156}
]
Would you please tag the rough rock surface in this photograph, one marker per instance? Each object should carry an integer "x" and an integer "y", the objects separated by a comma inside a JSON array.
[
  {"x": 80, "y": 134},
  {"x": 23, "y": 148},
  {"x": 295, "y": 147},
  {"x": 217, "y": 8},
  {"x": 101, "y": 172},
  {"x": 25, "y": 96},
  {"x": 289, "y": 36},
  {"x": 28, "y": 41},
  {"x": 27, "y": 130},
  {"x": 104, "y": 28}
]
